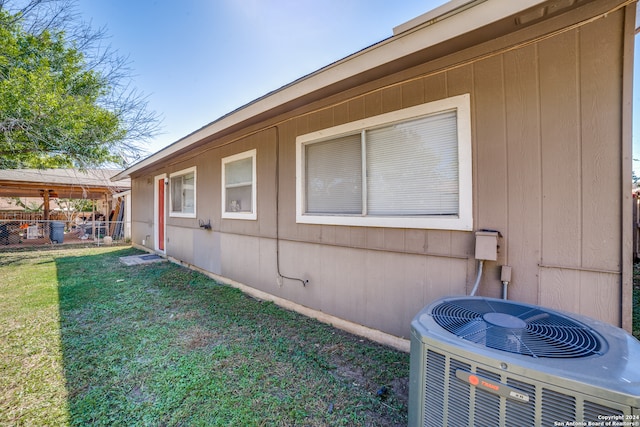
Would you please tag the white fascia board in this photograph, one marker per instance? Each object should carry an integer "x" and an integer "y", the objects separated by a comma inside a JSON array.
[
  {"x": 122, "y": 193},
  {"x": 388, "y": 50},
  {"x": 438, "y": 14}
]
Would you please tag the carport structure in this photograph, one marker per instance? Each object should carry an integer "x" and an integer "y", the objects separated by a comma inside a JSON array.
[{"x": 91, "y": 184}]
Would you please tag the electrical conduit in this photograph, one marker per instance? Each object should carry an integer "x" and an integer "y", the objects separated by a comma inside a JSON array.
[{"x": 478, "y": 277}]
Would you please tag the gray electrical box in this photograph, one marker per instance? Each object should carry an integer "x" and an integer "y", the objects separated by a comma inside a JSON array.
[{"x": 486, "y": 245}]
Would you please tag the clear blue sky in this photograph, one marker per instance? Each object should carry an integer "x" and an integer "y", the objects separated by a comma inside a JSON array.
[{"x": 200, "y": 59}]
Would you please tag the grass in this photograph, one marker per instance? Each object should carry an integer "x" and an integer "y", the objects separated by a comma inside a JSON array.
[{"x": 85, "y": 340}]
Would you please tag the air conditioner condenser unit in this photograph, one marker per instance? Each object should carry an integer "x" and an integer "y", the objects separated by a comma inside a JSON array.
[{"x": 490, "y": 362}]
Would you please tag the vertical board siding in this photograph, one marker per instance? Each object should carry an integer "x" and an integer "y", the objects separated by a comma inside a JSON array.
[
  {"x": 439, "y": 242},
  {"x": 206, "y": 251},
  {"x": 415, "y": 241},
  {"x": 181, "y": 241},
  {"x": 592, "y": 294},
  {"x": 435, "y": 87},
  {"x": 356, "y": 110},
  {"x": 357, "y": 237},
  {"x": 541, "y": 157},
  {"x": 342, "y": 288},
  {"x": 524, "y": 197},
  {"x": 287, "y": 177},
  {"x": 142, "y": 210},
  {"x": 391, "y": 99},
  {"x": 394, "y": 239},
  {"x": 373, "y": 104},
  {"x": 341, "y": 113},
  {"x": 546, "y": 128},
  {"x": 600, "y": 45},
  {"x": 491, "y": 145},
  {"x": 413, "y": 93},
  {"x": 561, "y": 150},
  {"x": 240, "y": 259},
  {"x": 321, "y": 119},
  {"x": 266, "y": 182}
]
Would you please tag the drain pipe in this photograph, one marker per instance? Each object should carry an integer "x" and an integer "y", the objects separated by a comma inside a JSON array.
[
  {"x": 281, "y": 276},
  {"x": 478, "y": 277},
  {"x": 505, "y": 278}
]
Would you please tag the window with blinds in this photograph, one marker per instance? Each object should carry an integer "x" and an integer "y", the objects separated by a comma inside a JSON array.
[
  {"x": 334, "y": 176},
  {"x": 409, "y": 168},
  {"x": 183, "y": 193},
  {"x": 238, "y": 186}
]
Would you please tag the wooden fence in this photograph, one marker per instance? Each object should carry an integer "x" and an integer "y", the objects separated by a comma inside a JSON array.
[{"x": 22, "y": 216}]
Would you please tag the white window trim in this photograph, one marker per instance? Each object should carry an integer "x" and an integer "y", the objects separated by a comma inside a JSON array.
[
  {"x": 253, "y": 215},
  {"x": 464, "y": 219},
  {"x": 195, "y": 193}
]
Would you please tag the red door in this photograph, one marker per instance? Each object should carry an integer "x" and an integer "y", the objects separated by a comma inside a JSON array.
[{"x": 160, "y": 218}]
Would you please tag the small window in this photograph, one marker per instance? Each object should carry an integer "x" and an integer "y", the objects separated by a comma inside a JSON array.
[
  {"x": 239, "y": 186},
  {"x": 410, "y": 168},
  {"x": 183, "y": 193}
]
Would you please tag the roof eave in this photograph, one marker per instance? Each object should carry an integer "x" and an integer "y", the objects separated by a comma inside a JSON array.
[{"x": 449, "y": 21}]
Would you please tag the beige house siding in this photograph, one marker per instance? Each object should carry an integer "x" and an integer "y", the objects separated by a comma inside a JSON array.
[
  {"x": 142, "y": 211},
  {"x": 548, "y": 157}
]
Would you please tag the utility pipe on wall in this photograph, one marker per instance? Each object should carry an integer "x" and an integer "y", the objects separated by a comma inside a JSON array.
[
  {"x": 478, "y": 277},
  {"x": 505, "y": 278}
]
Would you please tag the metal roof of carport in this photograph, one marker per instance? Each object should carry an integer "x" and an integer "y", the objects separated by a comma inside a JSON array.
[{"x": 63, "y": 183}]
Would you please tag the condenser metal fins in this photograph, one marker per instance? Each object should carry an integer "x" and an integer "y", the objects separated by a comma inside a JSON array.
[
  {"x": 484, "y": 361},
  {"x": 506, "y": 326}
]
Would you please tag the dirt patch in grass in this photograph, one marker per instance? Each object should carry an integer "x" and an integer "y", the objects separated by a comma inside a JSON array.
[
  {"x": 397, "y": 387},
  {"x": 197, "y": 337}
]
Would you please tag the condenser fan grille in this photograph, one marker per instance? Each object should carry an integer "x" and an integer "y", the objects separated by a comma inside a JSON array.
[{"x": 517, "y": 328}]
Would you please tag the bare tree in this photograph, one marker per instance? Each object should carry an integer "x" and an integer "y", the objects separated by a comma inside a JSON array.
[{"x": 131, "y": 122}]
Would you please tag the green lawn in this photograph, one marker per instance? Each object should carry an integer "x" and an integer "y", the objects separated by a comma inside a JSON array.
[{"x": 85, "y": 340}]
